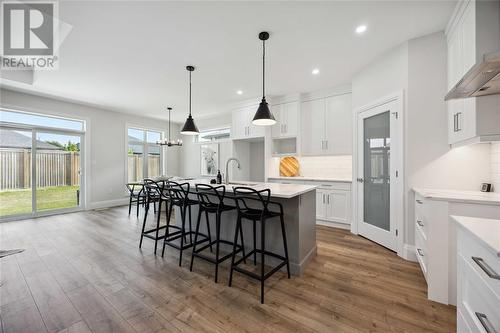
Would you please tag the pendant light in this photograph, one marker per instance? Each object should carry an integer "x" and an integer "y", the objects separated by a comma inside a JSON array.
[
  {"x": 169, "y": 143},
  {"x": 189, "y": 127},
  {"x": 263, "y": 116}
]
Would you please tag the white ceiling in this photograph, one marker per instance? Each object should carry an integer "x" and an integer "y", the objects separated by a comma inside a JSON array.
[{"x": 131, "y": 56}]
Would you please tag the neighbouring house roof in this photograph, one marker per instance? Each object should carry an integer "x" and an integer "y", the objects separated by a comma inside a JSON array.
[{"x": 14, "y": 139}]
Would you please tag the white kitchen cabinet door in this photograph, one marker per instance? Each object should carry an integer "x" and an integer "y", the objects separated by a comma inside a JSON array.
[
  {"x": 290, "y": 118},
  {"x": 239, "y": 124},
  {"x": 321, "y": 197},
  {"x": 313, "y": 127},
  {"x": 277, "y": 130},
  {"x": 468, "y": 34},
  {"x": 339, "y": 125},
  {"x": 337, "y": 208}
]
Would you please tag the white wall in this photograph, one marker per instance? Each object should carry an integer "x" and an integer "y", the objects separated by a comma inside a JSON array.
[
  {"x": 105, "y": 143},
  {"x": 418, "y": 67}
]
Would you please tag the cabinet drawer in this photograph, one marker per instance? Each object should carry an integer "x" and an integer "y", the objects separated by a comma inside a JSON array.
[
  {"x": 421, "y": 252},
  {"x": 483, "y": 262},
  {"x": 476, "y": 300}
]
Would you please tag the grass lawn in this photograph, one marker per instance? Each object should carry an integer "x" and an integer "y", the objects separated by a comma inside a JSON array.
[{"x": 19, "y": 201}]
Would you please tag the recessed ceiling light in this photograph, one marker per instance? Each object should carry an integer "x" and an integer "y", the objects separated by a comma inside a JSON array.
[
  {"x": 315, "y": 71},
  {"x": 239, "y": 92},
  {"x": 360, "y": 29}
]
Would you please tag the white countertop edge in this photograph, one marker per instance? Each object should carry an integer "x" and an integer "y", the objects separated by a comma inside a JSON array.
[
  {"x": 482, "y": 230},
  {"x": 289, "y": 190},
  {"x": 465, "y": 196},
  {"x": 318, "y": 179}
]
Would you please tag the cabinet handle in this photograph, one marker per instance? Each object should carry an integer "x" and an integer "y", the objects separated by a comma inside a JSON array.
[
  {"x": 419, "y": 201},
  {"x": 454, "y": 122},
  {"x": 420, "y": 252},
  {"x": 323, "y": 198},
  {"x": 328, "y": 196},
  {"x": 286, "y": 128},
  {"x": 485, "y": 322},
  {"x": 486, "y": 268},
  {"x": 459, "y": 128},
  {"x": 420, "y": 223},
  {"x": 326, "y": 144}
]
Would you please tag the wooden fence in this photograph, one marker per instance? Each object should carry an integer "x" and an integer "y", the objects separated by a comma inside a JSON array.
[
  {"x": 53, "y": 168},
  {"x": 135, "y": 167},
  {"x": 58, "y": 168}
]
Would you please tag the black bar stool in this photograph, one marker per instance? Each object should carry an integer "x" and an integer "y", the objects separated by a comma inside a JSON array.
[
  {"x": 211, "y": 201},
  {"x": 258, "y": 212},
  {"x": 179, "y": 196},
  {"x": 137, "y": 195},
  {"x": 154, "y": 193}
]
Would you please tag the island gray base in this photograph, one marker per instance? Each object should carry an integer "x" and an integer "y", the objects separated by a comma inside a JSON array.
[{"x": 300, "y": 226}]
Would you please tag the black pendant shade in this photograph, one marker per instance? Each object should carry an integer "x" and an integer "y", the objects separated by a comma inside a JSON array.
[
  {"x": 263, "y": 116},
  {"x": 189, "y": 127}
]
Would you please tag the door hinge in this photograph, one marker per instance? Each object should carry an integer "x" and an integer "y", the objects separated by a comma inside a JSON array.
[
  {"x": 396, "y": 232},
  {"x": 395, "y": 115}
]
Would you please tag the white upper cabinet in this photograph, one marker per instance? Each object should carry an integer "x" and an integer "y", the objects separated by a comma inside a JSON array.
[
  {"x": 287, "y": 120},
  {"x": 339, "y": 125},
  {"x": 471, "y": 33},
  {"x": 313, "y": 127},
  {"x": 242, "y": 126},
  {"x": 326, "y": 126}
]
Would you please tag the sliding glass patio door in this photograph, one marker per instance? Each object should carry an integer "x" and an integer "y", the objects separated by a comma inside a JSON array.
[
  {"x": 16, "y": 195},
  {"x": 58, "y": 171},
  {"x": 41, "y": 172}
]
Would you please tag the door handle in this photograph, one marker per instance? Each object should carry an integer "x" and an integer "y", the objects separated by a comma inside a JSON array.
[
  {"x": 420, "y": 252},
  {"x": 359, "y": 180}
]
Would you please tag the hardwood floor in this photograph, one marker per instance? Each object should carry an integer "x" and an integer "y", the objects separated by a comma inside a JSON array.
[{"x": 84, "y": 272}]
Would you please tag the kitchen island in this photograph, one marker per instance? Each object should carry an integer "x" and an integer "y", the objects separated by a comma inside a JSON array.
[{"x": 299, "y": 207}]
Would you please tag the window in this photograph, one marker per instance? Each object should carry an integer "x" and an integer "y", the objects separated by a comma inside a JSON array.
[
  {"x": 16, "y": 117},
  {"x": 213, "y": 135},
  {"x": 145, "y": 158}
]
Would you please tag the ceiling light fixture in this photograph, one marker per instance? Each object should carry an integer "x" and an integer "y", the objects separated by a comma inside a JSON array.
[
  {"x": 315, "y": 71},
  {"x": 169, "y": 143},
  {"x": 263, "y": 116},
  {"x": 239, "y": 92},
  {"x": 360, "y": 29},
  {"x": 189, "y": 127}
]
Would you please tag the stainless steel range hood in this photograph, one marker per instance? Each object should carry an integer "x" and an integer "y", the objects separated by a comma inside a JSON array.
[{"x": 481, "y": 80}]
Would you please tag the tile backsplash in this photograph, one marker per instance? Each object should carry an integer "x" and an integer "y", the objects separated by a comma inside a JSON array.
[
  {"x": 319, "y": 166},
  {"x": 495, "y": 166}
]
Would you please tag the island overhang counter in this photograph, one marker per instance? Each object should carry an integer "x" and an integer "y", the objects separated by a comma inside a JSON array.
[{"x": 299, "y": 207}]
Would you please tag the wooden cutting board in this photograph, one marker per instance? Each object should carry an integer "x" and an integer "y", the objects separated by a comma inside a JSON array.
[{"x": 289, "y": 167}]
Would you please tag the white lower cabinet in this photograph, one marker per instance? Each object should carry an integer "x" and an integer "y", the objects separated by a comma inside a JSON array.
[
  {"x": 333, "y": 201},
  {"x": 436, "y": 242},
  {"x": 478, "y": 286}
]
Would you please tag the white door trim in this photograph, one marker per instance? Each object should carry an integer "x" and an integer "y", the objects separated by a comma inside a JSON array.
[{"x": 399, "y": 209}]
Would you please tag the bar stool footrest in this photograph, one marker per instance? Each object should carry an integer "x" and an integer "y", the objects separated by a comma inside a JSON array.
[
  {"x": 255, "y": 275},
  {"x": 197, "y": 253}
]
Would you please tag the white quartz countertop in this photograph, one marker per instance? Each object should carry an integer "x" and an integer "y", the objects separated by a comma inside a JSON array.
[
  {"x": 486, "y": 231},
  {"x": 286, "y": 191},
  {"x": 487, "y": 198},
  {"x": 325, "y": 179}
]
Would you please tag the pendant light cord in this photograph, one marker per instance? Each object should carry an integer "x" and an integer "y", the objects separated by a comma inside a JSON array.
[
  {"x": 263, "y": 69},
  {"x": 189, "y": 93}
]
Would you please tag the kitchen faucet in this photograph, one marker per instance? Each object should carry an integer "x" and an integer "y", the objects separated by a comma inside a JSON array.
[{"x": 227, "y": 167}]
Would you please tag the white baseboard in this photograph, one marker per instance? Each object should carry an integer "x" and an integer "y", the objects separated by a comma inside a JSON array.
[
  {"x": 409, "y": 252},
  {"x": 340, "y": 225},
  {"x": 108, "y": 203}
]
